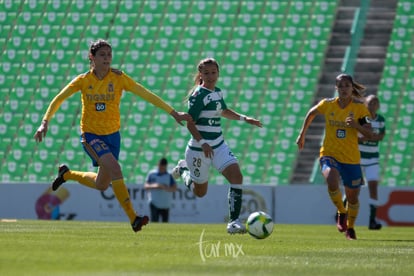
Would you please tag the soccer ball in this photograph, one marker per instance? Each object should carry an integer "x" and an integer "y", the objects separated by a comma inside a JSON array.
[{"x": 259, "y": 225}]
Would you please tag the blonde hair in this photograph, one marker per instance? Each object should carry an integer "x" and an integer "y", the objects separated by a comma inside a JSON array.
[
  {"x": 357, "y": 88},
  {"x": 197, "y": 76}
]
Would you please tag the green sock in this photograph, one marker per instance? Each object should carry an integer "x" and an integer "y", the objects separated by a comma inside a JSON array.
[{"x": 235, "y": 202}]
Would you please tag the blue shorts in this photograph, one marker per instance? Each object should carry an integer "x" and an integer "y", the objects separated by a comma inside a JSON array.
[
  {"x": 97, "y": 145},
  {"x": 351, "y": 174}
]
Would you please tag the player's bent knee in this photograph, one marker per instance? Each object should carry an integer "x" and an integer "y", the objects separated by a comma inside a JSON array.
[
  {"x": 200, "y": 193},
  {"x": 200, "y": 190},
  {"x": 102, "y": 187}
]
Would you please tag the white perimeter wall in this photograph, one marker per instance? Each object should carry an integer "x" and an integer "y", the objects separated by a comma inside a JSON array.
[{"x": 294, "y": 204}]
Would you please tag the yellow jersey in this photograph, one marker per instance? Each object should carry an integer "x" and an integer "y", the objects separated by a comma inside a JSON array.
[
  {"x": 101, "y": 100},
  {"x": 341, "y": 141}
]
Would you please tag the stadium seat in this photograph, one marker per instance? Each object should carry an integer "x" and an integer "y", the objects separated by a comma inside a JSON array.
[
  {"x": 396, "y": 101},
  {"x": 250, "y": 39},
  {"x": 277, "y": 7}
]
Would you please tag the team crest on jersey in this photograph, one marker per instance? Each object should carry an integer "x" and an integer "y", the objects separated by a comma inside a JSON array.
[{"x": 110, "y": 87}]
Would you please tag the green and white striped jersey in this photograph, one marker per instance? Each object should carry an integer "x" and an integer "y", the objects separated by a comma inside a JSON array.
[
  {"x": 370, "y": 149},
  {"x": 205, "y": 106}
]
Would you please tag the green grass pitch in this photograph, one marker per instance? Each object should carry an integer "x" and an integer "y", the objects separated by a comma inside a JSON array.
[{"x": 110, "y": 248}]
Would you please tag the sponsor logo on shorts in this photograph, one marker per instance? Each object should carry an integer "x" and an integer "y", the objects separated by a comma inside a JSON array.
[{"x": 197, "y": 172}]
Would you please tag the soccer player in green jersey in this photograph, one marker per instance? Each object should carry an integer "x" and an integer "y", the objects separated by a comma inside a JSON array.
[
  {"x": 345, "y": 116},
  {"x": 369, "y": 148},
  {"x": 207, "y": 147}
]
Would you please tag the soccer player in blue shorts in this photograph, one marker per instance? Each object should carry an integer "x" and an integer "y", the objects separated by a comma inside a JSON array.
[
  {"x": 101, "y": 88},
  {"x": 345, "y": 116},
  {"x": 207, "y": 146}
]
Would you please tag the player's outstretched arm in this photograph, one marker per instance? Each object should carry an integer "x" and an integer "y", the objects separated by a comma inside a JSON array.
[
  {"x": 300, "y": 141},
  {"x": 41, "y": 131},
  {"x": 181, "y": 116},
  {"x": 54, "y": 105},
  {"x": 233, "y": 115}
]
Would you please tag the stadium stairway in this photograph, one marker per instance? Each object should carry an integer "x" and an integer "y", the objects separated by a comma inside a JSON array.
[
  {"x": 368, "y": 70},
  {"x": 371, "y": 58}
]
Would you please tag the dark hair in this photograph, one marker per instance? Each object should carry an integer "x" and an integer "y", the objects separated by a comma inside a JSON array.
[
  {"x": 96, "y": 45},
  {"x": 357, "y": 88},
  {"x": 163, "y": 162}
]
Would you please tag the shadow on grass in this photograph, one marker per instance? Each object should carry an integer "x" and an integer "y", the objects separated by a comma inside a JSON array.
[{"x": 386, "y": 240}]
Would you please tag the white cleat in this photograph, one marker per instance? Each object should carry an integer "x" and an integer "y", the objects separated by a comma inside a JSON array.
[
  {"x": 178, "y": 170},
  {"x": 236, "y": 227}
]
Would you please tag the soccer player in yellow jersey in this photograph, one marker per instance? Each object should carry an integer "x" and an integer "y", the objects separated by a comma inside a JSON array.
[
  {"x": 101, "y": 89},
  {"x": 345, "y": 116}
]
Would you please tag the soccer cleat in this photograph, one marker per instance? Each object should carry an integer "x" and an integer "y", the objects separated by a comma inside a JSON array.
[
  {"x": 341, "y": 222},
  {"x": 236, "y": 227},
  {"x": 59, "y": 180},
  {"x": 373, "y": 225},
  {"x": 350, "y": 234},
  {"x": 178, "y": 170},
  {"x": 139, "y": 222}
]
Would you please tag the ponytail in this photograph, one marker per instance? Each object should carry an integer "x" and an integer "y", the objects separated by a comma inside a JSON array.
[
  {"x": 357, "y": 88},
  {"x": 197, "y": 78}
]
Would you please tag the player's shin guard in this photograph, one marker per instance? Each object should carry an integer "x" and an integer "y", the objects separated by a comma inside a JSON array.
[
  {"x": 85, "y": 178},
  {"x": 235, "y": 202},
  {"x": 121, "y": 193},
  {"x": 353, "y": 210},
  {"x": 336, "y": 198}
]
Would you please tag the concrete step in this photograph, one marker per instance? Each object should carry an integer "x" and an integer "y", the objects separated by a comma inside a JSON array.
[
  {"x": 381, "y": 14},
  {"x": 372, "y": 51},
  {"x": 384, "y": 4},
  {"x": 349, "y": 3},
  {"x": 343, "y": 26},
  {"x": 373, "y": 65},
  {"x": 340, "y": 39},
  {"x": 336, "y": 51}
]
